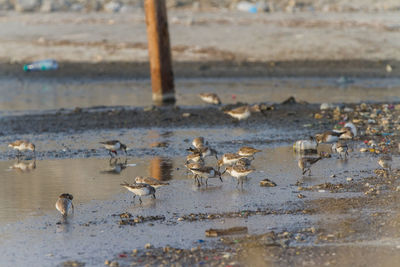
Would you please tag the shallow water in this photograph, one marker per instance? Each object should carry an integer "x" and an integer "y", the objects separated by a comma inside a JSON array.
[
  {"x": 28, "y": 216},
  {"x": 38, "y": 95}
]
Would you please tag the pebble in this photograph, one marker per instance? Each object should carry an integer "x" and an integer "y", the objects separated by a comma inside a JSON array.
[
  {"x": 349, "y": 179},
  {"x": 114, "y": 264},
  {"x": 148, "y": 246},
  {"x": 186, "y": 115}
]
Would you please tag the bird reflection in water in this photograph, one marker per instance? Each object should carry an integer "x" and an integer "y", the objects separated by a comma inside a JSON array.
[
  {"x": 116, "y": 166},
  {"x": 22, "y": 166}
]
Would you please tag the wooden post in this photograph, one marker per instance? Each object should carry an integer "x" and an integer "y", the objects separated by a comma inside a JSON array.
[{"x": 162, "y": 77}]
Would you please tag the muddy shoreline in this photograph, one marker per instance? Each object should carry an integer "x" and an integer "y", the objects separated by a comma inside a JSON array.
[
  {"x": 210, "y": 69},
  {"x": 284, "y": 116}
]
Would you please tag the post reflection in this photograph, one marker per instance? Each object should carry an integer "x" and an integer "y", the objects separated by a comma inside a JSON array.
[{"x": 161, "y": 168}]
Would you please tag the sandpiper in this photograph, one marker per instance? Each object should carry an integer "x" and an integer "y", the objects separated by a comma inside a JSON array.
[
  {"x": 229, "y": 159},
  {"x": 245, "y": 162},
  {"x": 347, "y": 133},
  {"x": 210, "y": 98},
  {"x": 64, "y": 204},
  {"x": 199, "y": 142},
  {"x": 205, "y": 172},
  {"x": 239, "y": 172},
  {"x": 385, "y": 162},
  {"x": 341, "y": 148},
  {"x": 22, "y": 145},
  {"x": 248, "y": 151},
  {"x": 113, "y": 146},
  {"x": 239, "y": 113},
  {"x": 328, "y": 137},
  {"x": 305, "y": 164},
  {"x": 195, "y": 157},
  {"x": 204, "y": 152},
  {"x": 150, "y": 181},
  {"x": 140, "y": 190}
]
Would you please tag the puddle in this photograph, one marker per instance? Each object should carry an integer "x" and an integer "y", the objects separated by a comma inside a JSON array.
[
  {"x": 28, "y": 216},
  {"x": 21, "y": 96}
]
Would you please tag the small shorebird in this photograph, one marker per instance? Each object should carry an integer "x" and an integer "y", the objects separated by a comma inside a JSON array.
[
  {"x": 248, "y": 151},
  {"x": 22, "y": 145},
  {"x": 210, "y": 98},
  {"x": 229, "y": 159},
  {"x": 239, "y": 172},
  {"x": 64, "y": 204},
  {"x": 239, "y": 113},
  {"x": 204, "y": 151},
  {"x": 205, "y": 172},
  {"x": 195, "y": 157},
  {"x": 347, "y": 133},
  {"x": 385, "y": 162},
  {"x": 328, "y": 137},
  {"x": 245, "y": 162},
  {"x": 150, "y": 181},
  {"x": 140, "y": 190},
  {"x": 341, "y": 148},
  {"x": 305, "y": 164},
  {"x": 199, "y": 142},
  {"x": 113, "y": 146}
]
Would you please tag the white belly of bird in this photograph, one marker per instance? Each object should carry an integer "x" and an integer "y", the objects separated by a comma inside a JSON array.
[
  {"x": 144, "y": 191},
  {"x": 22, "y": 147},
  {"x": 341, "y": 150},
  {"x": 230, "y": 161},
  {"x": 240, "y": 174},
  {"x": 204, "y": 174},
  {"x": 331, "y": 139},
  {"x": 209, "y": 99},
  {"x": 112, "y": 147},
  {"x": 241, "y": 116}
]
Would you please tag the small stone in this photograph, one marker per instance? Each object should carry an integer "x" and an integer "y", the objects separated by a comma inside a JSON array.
[
  {"x": 318, "y": 116},
  {"x": 148, "y": 246},
  {"x": 349, "y": 179},
  {"x": 186, "y": 115},
  {"x": 398, "y": 188},
  {"x": 333, "y": 176},
  {"x": 180, "y": 219},
  {"x": 114, "y": 264},
  {"x": 267, "y": 183},
  {"x": 134, "y": 251},
  {"x": 301, "y": 196},
  {"x": 321, "y": 191},
  {"x": 107, "y": 262},
  {"x": 389, "y": 68},
  {"x": 27, "y": 5},
  {"x": 364, "y": 149}
]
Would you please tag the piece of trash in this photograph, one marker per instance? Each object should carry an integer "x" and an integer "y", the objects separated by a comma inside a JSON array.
[
  {"x": 131, "y": 165},
  {"x": 306, "y": 146},
  {"x": 229, "y": 231},
  {"x": 267, "y": 183},
  {"x": 41, "y": 65},
  {"x": 252, "y": 7}
]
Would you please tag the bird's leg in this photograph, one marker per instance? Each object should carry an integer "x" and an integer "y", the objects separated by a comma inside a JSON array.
[
  {"x": 309, "y": 172},
  {"x": 154, "y": 196},
  {"x": 110, "y": 153},
  {"x": 304, "y": 171},
  {"x": 221, "y": 179},
  {"x": 73, "y": 209},
  {"x": 140, "y": 200}
]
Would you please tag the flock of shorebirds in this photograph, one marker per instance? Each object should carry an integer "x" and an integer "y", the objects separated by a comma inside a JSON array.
[{"x": 237, "y": 165}]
